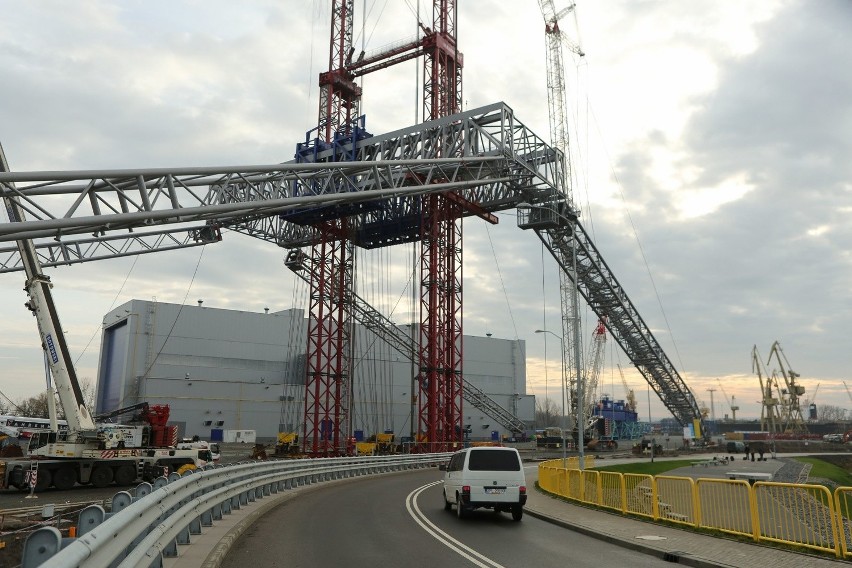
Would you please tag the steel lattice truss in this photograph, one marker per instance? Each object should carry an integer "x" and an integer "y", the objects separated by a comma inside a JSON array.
[
  {"x": 60, "y": 252},
  {"x": 531, "y": 172},
  {"x": 502, "y": 163},
  {"x": 609, "y": 301},
  {"x": 61, "y": 205}
]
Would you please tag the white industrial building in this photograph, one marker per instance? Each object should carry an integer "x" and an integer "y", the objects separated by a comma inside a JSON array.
[{"x": 233, "y": 370}]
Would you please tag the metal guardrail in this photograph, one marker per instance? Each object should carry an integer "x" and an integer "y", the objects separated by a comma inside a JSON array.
[
  {"x": 143, "y": 529},
  {"x": 794, "y": 514}
]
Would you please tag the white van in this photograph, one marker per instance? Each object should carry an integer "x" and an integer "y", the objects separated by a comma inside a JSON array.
[{"x": 491, "y": 477}]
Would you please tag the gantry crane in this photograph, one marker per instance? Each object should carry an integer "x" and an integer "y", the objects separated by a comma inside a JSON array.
[
  {"x": 328, "y": 383},
  {"x": 770, "y": 417},
  {"x": 791, "y": 407},
  {"x": 731, "y": 400},
  {"x": 629, "y": 393}
]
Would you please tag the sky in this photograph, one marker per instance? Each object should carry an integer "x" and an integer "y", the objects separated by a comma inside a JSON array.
[{"x": 709, "y": 139}]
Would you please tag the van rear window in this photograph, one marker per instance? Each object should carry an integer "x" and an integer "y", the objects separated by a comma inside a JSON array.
[{"x": 490, "y": 460}]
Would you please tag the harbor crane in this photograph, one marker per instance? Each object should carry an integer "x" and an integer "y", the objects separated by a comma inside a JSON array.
[
  {"x": 791, "y": 405},
  {"x": 732, "y": 401},
  {"x": 770, "y": 417}
]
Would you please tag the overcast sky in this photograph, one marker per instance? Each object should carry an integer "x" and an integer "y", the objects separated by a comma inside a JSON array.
[{"x": 711, "y": 142}]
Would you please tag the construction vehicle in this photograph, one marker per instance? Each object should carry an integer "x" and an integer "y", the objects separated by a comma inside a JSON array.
[
  {"x": 198, "y": 444},
  {"x": 288, "y": 444},
  {"x": 85, "y": 452},
  {"x": 385, "y": 444}
]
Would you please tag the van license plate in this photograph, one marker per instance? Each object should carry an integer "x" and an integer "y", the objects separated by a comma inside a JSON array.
[{"x": 495, "y": 490}]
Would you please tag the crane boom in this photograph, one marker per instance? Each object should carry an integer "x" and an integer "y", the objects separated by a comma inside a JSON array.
[{"x": 52, "y": 338}]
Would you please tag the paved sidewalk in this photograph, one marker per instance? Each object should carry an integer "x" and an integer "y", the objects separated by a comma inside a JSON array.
[{"x": 676, "y": 545}]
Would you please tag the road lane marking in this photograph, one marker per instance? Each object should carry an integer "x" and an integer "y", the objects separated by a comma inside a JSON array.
[{"x": 442, "y": 537}]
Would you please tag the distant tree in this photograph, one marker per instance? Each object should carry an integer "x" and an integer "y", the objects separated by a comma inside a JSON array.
[
  {"x": 88, "y": 389},
  {"x": 831, "y": 413},
  {"x": 34, "y": 407},
  {"x": 546, "y": 413}
]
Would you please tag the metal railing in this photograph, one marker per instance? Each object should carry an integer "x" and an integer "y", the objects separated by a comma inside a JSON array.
[
  {"x": 144, "y": 528},
  {"x": 795, "y": 514}
]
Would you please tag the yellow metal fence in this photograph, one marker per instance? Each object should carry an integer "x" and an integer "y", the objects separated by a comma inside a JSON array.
[{"x": 809, "y": 516}]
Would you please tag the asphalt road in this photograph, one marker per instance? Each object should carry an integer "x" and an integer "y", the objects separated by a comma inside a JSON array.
[{"x": 399, "y": 520}]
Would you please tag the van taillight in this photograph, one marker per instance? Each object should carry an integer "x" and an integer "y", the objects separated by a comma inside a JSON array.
[
  {"x": 466, "y": 489},
  {"x": 522, "y": 490}
]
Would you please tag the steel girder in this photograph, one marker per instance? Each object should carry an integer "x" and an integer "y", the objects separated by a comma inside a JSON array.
[{"x": 565, "y": 236}]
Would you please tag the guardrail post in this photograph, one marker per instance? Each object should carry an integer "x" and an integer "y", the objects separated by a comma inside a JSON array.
[
  {"x": 207, "y": 518},
  {"x": 244, "y": 498},
  {"x": 120, "y": 501},
  {"x": 142, "y": 490},
  {"x": 170, "y": 550},
  {"x": 216, "y": 512},
  {"x": 40, "y": 546},
  {"x": 195, "y": 525},
  {"x": 183, "y": 536},
  {"x": 89, "y": 518},
  {"x": 226, "y": 507},
  {"x": 235, "y": 502}
]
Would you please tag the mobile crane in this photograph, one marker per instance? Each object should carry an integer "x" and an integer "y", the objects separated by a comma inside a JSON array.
[{"x": 85, "y": 453}]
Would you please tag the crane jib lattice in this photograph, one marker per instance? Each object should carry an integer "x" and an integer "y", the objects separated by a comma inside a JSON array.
[{"x": 502, "y": 164}]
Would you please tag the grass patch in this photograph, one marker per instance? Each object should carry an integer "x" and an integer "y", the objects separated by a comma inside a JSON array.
[
  {"x": 824, "y": 470},
  {"x": 647, "y": 468},
  {"x": 820, "y": 468}
]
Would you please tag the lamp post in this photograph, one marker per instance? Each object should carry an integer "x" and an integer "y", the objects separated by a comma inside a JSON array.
[
  {"x": 571, "y": 222},
  {"x": 562, "y": 375}
]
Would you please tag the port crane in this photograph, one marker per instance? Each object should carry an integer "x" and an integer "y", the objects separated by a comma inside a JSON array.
[
  {"x": 629, "y": 393},
  {"x": 770, "y": 416},
  {"x": 791, "y": 407},
  {"x": 731, "y": 400}
]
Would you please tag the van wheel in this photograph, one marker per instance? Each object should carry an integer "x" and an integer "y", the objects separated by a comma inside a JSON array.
[
  {"x": 447, "y": 504},
  {"x": 460, "y": 511},
  {"x": 517, "y": 512}
]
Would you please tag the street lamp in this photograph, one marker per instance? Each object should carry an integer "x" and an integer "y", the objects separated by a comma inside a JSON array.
[
  {"x": 571, "y": 220},
  {"x": 562, "y": 375}
]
